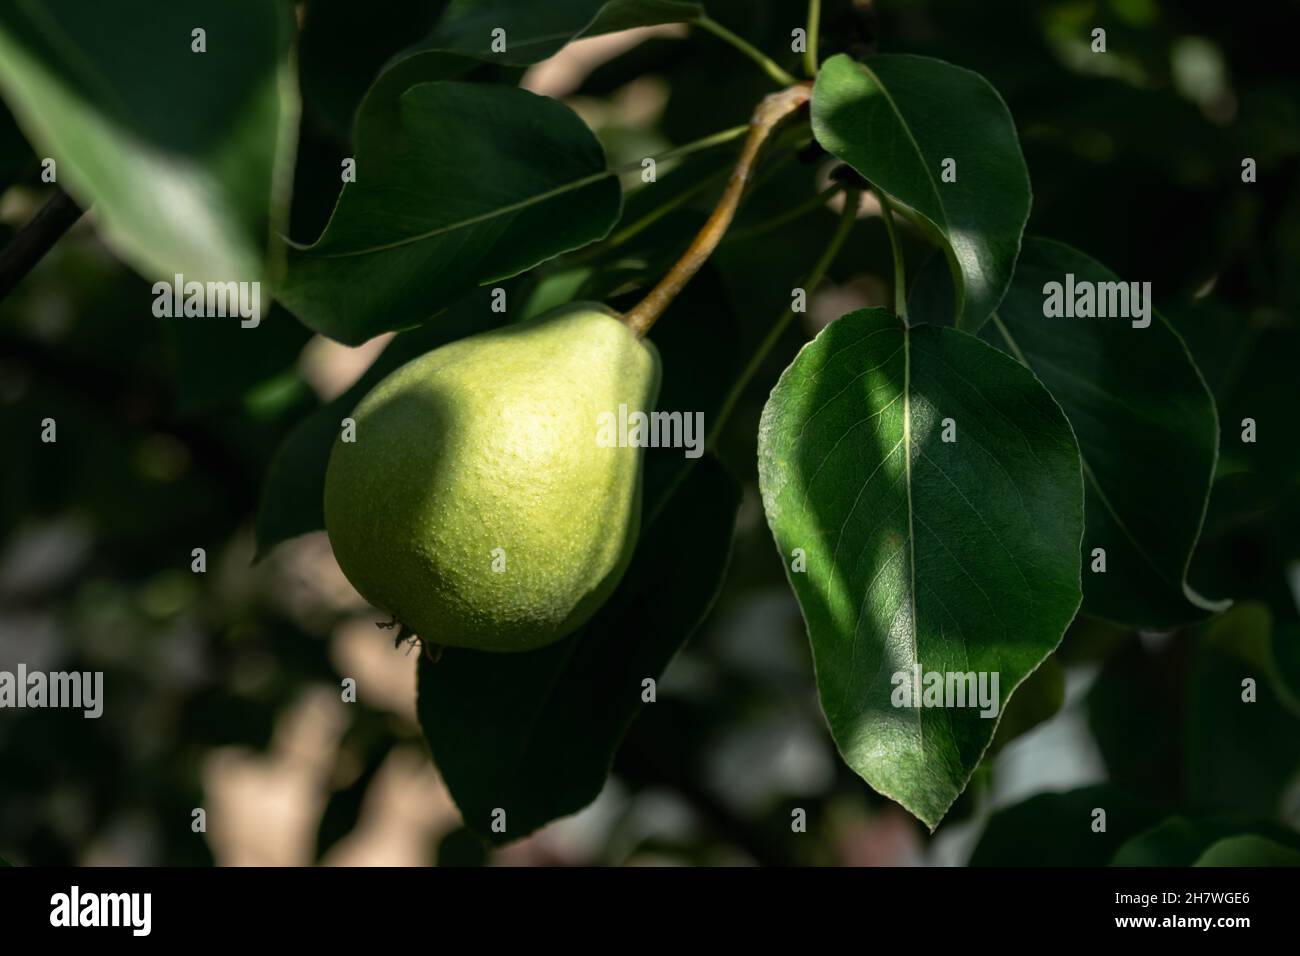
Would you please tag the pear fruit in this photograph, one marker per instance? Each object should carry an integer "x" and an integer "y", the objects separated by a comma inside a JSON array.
[{"x": 476, "y": 504}]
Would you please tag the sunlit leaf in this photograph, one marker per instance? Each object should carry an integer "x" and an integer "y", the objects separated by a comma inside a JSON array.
[
  {"x": 898, "y": 120},
  {"x": 944, "y": 555}
]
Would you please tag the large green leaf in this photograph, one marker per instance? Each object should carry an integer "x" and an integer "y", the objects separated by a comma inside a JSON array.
[
  {"x": 457, "y": 185},
  {"x": 344, "y": 45},
  {"x": 896, "y": 120},
  {"x": 953, "y": 556},
  {"x": 186, "y": 156},
  {"x": 1060, "y": 829},
  {"x": 1240, "y": 755},
  {"x": 535, "y": 31},
  {"x": 1147, "y": 429},
  {"x": 534, "y": 734}
]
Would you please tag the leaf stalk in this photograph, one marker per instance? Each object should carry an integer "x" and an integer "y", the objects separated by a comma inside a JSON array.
[
  {"x": 896, "y": 248},
  {"x": 814, "y": 27},
  {"x": 768, "y": 65}
]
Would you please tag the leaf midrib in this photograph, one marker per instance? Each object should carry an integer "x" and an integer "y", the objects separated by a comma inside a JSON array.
[
  {"x": 945, "y": 226},
  {"x": 911, "y": 530},
  {"x": 491, "y": 214}
]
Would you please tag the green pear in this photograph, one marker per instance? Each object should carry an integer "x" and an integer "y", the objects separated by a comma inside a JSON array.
[{"x": 476, "y": 503}]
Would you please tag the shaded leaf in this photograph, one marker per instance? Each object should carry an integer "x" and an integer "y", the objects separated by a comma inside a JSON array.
[
  {"x": 1181, "y": 842},
  {"x": 1249, "y": 632},
  {"x": 1262, "y": 389},
  {"x": 1249, "y": 360},
  {"x": 1090, "y": 640},
  {"x": 1035, "y": 702},
  {"x": 896, "y": 119},
  {"x": 219, "y": 361},
  {"x": 344, "y": 45},
  {"x": 535, "y": 733},
  {"x": 1056, "y": 829},
  {"x": 919, "y": 551},
  {"x": 1249, "y": 850},
  {"x": 1251, "y": 536},
  {"x": 1241, "y": 755},
  {"x": 457, "y": 185},
  {"x": 1147, "y": 430},
  {"x": 186, "y": 161},
  {"x": 535, "y": 31},
  {"x": 1134, "y": 717}
]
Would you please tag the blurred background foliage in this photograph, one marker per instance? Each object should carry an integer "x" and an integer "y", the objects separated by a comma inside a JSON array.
[{"x": 223, "y": 688}]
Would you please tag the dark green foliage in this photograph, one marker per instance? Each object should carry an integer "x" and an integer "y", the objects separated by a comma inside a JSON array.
[{"x": 1172, "y": 702}]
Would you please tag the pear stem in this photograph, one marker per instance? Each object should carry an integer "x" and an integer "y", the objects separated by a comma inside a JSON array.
[{"x": 771, "y": 110}]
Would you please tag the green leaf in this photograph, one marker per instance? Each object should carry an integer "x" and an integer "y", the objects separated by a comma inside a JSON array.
[
  {"x": 1056, "y": 829},
  {"x": 1249, "y": 850},
  {"x": 1036, "y": 701},
  {"x": 344, "y": 46},
  {"x": 457, "y": 185},
  {"x": 292, "y": 499},
  {"x": 896, "y": 119},
  {"x": 1248, "y": 632},
  {"x": 218, "y": 361},
  {"x": 1133, "y": 717},
  {"x": 950, "y": 556},
  {"x": 1147, "y": 430},
  {"x": 1255, "y": 366},
  {"x": 1240, "y": 755},
  {"x": 187, "y": 162},
  {"x": 535, "y": 31},
  {"x": 535, "y": 733},
  {"x": 1181, "y": 842}
]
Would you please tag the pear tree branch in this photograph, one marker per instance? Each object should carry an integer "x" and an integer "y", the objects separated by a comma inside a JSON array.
[
  {"x": 771, "y": 110},
  {"x": 35, "y": 239}
]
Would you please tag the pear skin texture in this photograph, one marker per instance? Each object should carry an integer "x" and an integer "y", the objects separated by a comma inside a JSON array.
[{"x": 490, "y": 443}]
